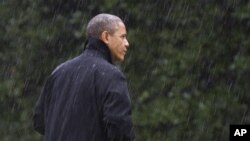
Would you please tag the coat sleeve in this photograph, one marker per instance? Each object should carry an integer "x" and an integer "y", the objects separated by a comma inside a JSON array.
[
  {"x": 39, "y": 109},
  {"x": 117, "y": 110}
]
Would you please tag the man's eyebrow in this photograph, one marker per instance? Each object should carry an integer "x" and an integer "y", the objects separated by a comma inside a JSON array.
[{"x": 125, "y": 34}]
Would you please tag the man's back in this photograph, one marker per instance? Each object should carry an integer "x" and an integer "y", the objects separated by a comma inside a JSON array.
[
  {"x": 85, "y": 99},
  {"x": 72, "y": 114}
]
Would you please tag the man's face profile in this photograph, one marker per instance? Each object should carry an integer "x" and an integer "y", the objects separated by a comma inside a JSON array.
[{"x": 118, "y": 43}]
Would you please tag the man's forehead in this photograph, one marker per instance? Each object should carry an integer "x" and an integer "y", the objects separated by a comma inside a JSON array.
[{"x": 121, "y": 26}]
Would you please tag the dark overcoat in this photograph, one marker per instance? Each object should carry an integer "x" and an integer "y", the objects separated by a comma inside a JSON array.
[{"x": 85, "y": 99}]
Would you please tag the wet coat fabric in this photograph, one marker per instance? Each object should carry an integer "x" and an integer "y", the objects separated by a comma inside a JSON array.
[{"x": 85, "y": 99}]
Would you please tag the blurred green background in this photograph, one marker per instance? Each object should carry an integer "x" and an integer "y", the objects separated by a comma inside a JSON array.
[{"x": 188, "y": 65}]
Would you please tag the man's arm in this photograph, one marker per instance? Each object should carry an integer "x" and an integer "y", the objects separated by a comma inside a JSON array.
[
  {"x": 117, "y": 110},
  {"x": 39, "y": 110},
  {"x": 38, "y": 115}
]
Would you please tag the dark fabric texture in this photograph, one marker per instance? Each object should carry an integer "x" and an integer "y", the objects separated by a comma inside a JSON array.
[{"x": 85, "y": 99}]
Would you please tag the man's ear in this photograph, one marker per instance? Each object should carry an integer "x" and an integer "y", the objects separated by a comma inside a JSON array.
[{"x": 105, "y": 37}]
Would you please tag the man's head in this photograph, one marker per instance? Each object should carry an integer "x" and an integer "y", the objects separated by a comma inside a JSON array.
[{"x": 112, "y": 31}]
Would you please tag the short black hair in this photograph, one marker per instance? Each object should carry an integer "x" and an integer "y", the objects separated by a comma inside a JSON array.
[{"x": 100, "y": 23}]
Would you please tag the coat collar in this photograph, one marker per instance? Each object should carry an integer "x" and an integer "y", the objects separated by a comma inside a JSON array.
[{"x": 96, "y": 47}]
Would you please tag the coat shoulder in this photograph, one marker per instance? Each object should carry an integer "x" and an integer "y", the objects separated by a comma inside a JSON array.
[{"x": 105, "y": 67}]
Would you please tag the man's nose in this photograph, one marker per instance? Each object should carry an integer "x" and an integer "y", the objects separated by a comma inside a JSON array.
[{"x": 126, "y": 43}]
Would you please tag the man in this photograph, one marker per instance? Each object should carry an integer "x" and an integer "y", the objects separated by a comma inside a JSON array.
[{"x": 86, "y": 98}]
